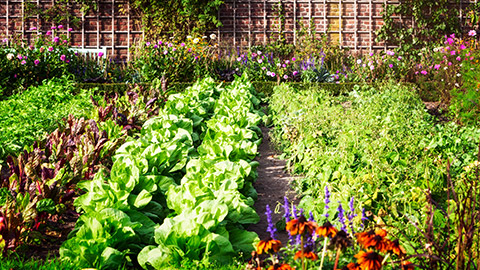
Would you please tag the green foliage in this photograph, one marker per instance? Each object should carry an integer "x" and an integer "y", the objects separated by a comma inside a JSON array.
[
  {"x": 192, "y": 202},
  {"x": 464, "y": 102},
  {"x": 431, "y": 19},
  {"x": 377, "y": 144},
  {"x": 29, "y": 116},
  {"x": 177, "y": 18}
]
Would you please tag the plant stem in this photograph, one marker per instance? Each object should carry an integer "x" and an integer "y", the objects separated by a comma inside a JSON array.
[
  {"x": 323, "y": 252},
  {"x": 303, "y": 259},
  {"x": 337, "y": 257}
]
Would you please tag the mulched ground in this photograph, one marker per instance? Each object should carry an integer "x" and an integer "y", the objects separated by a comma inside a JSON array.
[{"x": 272, "y": 185}]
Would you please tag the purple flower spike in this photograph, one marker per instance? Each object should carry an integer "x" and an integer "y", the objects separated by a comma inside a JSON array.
[
  {"x": 271, "y": 227},
  {"x": 286, "y": 208},
  {"x": 327, "y": 201},
  {"x": 311, "y": 216},
  {"x": 341, "y": 217}
]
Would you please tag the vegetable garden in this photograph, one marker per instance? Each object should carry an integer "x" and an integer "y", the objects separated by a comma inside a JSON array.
[{"x": 155, "y": 165}]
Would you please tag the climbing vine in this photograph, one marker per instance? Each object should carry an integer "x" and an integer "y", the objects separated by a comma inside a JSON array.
[
  {"x": 61, "y": 12},
  {"x": 431, "y": 19},
  {"x": 177, "y": 18}
]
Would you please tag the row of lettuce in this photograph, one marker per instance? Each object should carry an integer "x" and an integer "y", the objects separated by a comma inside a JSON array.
[
  {"x": 180, "y": 190},
  {"x": 412, "y": 174}
]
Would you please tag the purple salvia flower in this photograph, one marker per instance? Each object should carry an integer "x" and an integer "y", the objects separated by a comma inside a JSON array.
[
  {"x": 286, "y": 208},
  {"x": 352, "y": 213},
  {"x": 271, "y": 227},
  {"x": 341, "y": 216},
  {"x": 311, "y": 216},
  {"x": 327, "y": 201},
  {"x": 364, "y": 217}
]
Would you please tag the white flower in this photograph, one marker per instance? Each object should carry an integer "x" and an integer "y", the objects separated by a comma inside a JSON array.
[
  {"x": 204, "y": 37},
  {"x": 359, "y": 61},
  {"x": 259, "y": 53},
  {"x": 10, "y": 56},
  {"x": 457, "y": 85},
  {"x": 278, "y": 64},
  {"x": 213, "y": 36},
  {"x": 458, "y": 74},
  {"x": 196, "y": 40},
  {"x": 189, "y": 37},
  {"x": 445, "y": 68}
]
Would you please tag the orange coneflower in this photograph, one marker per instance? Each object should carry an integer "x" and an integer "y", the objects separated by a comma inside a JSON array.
[
  {"x": 376, "y": 240},
  {"x": 327, "y": 230},
  {"x": 395, "y": 248},
  {"x": 298, "y": 226},
  {"x": 352, "y": 266},
  {"x": 268, "y": 245},
  {"x": 407, "y": 266},
  {"x": 369, "y": 260},
  {"x": 282, "y": 266},
  {"x": 307, "y": 253}
]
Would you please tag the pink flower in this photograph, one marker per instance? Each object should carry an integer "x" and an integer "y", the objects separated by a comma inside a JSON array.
[
  {"x": 459, "y": 58},
  {"x": 23, "y": 62},
  {"x": 416, "y": 72},
  {"x": 50, "y": 49},
  {"x": 285, "y": 77},
  {"x": 449, "y": 63},
  {"x": 295, "y": 73},
  {"x": 273, "y": 74},
  {"x": 472, "y": 33},
  {"x": 62, "y": 57},
  {"x": 33, "y": 28},
  {"x": 53, "y": 27},
  {"x": 462, "y": 47},
  {"x": 424, "y": 72},
  {"x": 69, "y": 29},
  {"x": 20, "y": 57},
  {"x": 174, "y": 49},
  {"x": 165, "y": 52},
  {"x": 294, "y": 59},
  {"x": 390, "y": 65},
  {"x": 371, "y": 54},
  {"x": 100, "y": 54},
  {"x": 390, "y": 53},
  {"x": 147, "y": 44},
  {"x": 182, "y": 44},
  {"x": 471, "y": 58},
  {"x": 452, "y": 53},
  {"x": 437, "y": 66},
  {"x": 60, "y": 26},
  {"x": 65, "y": 41},
  {"x": 155, "y": 46},
  {"x": 36, "y": 62},
  {"x": 56, "y": 39},
  {"x": 160, "y": 42},
  {"x": 284, "y": 66},
  {"x": 48, "y": 33}
]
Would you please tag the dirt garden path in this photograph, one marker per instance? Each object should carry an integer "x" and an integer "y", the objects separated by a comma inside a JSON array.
[{"x": 272, "y": 185}]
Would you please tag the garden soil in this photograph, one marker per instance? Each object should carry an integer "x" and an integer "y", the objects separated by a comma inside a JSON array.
[{"x": 272, "y": 185}]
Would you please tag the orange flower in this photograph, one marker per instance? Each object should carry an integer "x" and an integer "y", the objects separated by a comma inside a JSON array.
[
  {"x": 369, "y": 260},
  {"x": 307, "y": 253},
  {"x": 301, "y": 225},
  {"x": 268, "y": 246},
  {"x": 283, "y": 266},
  {"x": 352, "y": 266},
  {"x": 395, "y": 248},
  {"x": 407, "y": 266},
  {"x": 376, "y": 240},
  {"x": 327, "y": 230},
  {"x": 364, "y": 237}
]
